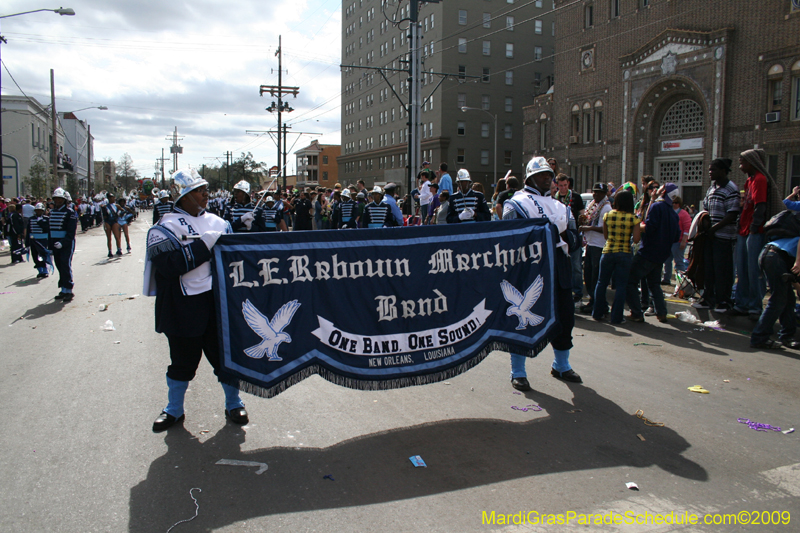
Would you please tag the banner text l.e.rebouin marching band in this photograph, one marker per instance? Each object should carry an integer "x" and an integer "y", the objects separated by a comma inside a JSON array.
[{"x": 381, "y": 308}]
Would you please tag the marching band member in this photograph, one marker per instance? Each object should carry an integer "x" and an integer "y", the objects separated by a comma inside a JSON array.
[
  {"x": 467, "y": 205},
  {"x": 178, "y": 274},
  {"x": 63, "y": 225},
  {"x": 163, "y": 206},
  {"x": 534, "y": 201},
  {"x": 240, "y": 213},
  {"x": 377, "y": 214},
  {"x": 269, "y": 217},
  {"x": 38, "y": 236},
  {"x": 345, "y": 214}
]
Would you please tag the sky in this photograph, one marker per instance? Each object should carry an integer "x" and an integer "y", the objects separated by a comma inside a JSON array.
[{"x": 196, "y": 65}]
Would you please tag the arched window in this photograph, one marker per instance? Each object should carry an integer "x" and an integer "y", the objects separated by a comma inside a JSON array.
[
  {"x": 576, "y": 123},
  {"x": 775, "y": 88},
  {"x": 796, "y": 91},
  {"x": 542, "y": 131},
  {"x": 684, "y": 118},
  {"x": 587, "y": 122},
  {"x": 598, "y": 121}
]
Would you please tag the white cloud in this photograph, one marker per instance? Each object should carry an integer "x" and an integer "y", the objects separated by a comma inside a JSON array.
[{"x": 195, "y": 65}]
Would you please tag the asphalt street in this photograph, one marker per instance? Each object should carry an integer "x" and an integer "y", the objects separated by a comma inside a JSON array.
[{"x": 79, "y": 455}]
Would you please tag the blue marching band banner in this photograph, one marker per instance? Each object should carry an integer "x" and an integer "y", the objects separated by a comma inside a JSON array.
[{"x": 381, "y": 308}]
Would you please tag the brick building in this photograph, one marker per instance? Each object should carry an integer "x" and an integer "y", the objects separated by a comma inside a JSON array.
[
  {"x": 316, "y": 165},
  {"x": 500, "y": 55},
  {"x": 662, "y": 87}
]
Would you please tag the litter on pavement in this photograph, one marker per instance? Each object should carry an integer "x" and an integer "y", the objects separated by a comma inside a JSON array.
[
  {"x": 109, "y": 326},
  {"x": 757, "y": 426},
  {"x": 787, "y": 431},
  {"x": 647, "y": 421},
  {"x": 196, "y": 510},
  {"x": 631, "y": 485},
  {"x": 417, "y": 461},
  {"x": 698, "y": 389},
  {"x": 329, "y": 476},
  {"x": 531, "y": 407}
]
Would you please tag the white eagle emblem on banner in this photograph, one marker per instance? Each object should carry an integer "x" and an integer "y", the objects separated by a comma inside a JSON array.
[
  {"x": 270, "y": 331},
  {"x": 521, "y": 305}
]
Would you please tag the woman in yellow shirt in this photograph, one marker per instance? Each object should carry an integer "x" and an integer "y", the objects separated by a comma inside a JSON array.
[{"x": 619, "y": 225}]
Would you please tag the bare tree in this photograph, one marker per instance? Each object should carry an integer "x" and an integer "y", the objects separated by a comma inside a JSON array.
[{"x": 126, "y": 174}]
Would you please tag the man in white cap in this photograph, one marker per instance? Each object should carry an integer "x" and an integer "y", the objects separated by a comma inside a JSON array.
[
  {"x": 178, "y": 274},
  {"x": 163, "y": 206},
  {"x": 534, "y": 201},
  {"x": 377, "y": 214},
  {"x": 38, "y": 236},
  {"x": 269, "y": 217},
  {"x": 467, "y": 205},
  {"x": 63, "y": 225},
  {"x": 240, "y": 213},
  {"x": 345, "y": 212}
]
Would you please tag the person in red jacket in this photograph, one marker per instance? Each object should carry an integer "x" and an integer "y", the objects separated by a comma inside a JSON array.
[{"x": 750, "y": 287}]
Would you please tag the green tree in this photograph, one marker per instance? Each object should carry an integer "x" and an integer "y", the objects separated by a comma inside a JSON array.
[{"x": 37, "y": 180}]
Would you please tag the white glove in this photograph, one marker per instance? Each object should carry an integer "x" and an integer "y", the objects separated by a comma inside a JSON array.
[
  {"x": 247, "y": 220},
  {"x": 209, "y": 238},
  {"x": 467, "y": 214},
  {"x": 57, "y": 245}
]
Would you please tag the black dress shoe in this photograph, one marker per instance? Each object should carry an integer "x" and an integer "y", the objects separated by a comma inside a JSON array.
[
  {"x": 569, "y": 375},
  {"x": 165, "y": 421},
  {"x": 59, "y": 296},
  {"x": 521, "y": 384},
  {"x": 68, "y": 297},
  {"x": 237, "y": 416}
]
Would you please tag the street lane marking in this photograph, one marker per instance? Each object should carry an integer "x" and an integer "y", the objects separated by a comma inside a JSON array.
[{"x": 235, "y": 462}]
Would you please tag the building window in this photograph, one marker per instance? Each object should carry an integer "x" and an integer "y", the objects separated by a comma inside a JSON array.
[
  {"x": 507, "y": 158},
  {"x": 682, "y": 119},
  {"x": 510, "y": 50},
  {"x": 324, "y": 176},
  {"x": 462, "y": 72},
  {"x": 509, "y": 104},
  {"x": 510, "y": 23},
  {"x": 598, "y": 121},
  {"x": 486, "y": 74},
  {"x": 460, "y": 157},
  {"x": 775, "y": 88},
  {"x": 614, "y": 8},
  {"x": 484, "y": 157},
  {"x": 487, "y": 20},
  {"x": 485, "y": 130},
  {"x": 462, "y": 100},
  {"x": 509, "y": 77},
  {"x": 507, "y": 131},
  {"x": 324, "y": 159},
  {"x": 588, "y": 16},
  {"x": 587, "y": 123},
  {"x": 485, "y": 102},
  {"x": 537, "y": 53},
  {"x": 537, "y": 27},
  {"x": 462, "y": 46},
  {"x": 543, "y": 132},
  {"x": 576, "y": 123},
  {"x": 462, "y": 17},
  {"x": 796, "y": 91},
  {"x": 644, "y": 3},
  {"x": 487, "y": 48}
]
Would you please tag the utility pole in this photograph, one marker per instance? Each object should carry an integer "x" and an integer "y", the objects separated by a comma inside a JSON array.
[
  {"x": 161, "y": 162},
  {"x": 175, "y": 149},
  {"x": 2, "y": 158},
  {"x": 413, "y": 71},
  {"x": 279, "y": 91},
  {"x": 89, "y": 162},
  {"x": 54, "y": 139},
  {"x": 228, "y": 157}
]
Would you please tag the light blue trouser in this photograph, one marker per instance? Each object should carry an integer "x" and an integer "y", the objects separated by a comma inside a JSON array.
[
  {"x": 678, "y": 258},
  {"x": 560, "y": 364},
  {"x": 177, "y": 392},
  {"x": 750, "y": 287}
]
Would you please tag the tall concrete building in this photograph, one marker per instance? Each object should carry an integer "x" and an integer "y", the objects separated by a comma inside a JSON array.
[
  {"x": 79, "y": 147},
  {"x": 500, "y": 56},
  {"x": 662, "y": 87}
]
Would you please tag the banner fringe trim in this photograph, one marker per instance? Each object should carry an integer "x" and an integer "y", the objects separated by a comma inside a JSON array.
[{"x": 384, "y": 384}]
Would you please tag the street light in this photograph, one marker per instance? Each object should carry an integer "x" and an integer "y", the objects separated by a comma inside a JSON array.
[
  {"x": 464, "y": 109},
  {"x": 69, "y": 12},
  {"x": 101, "y": 108}
]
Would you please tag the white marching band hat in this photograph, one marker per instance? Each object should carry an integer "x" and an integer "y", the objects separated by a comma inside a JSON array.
[
  {"x": 463, "y": 175},
  {"x": 242, "y": 186},
  {"x": 187, "y": 180}
]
